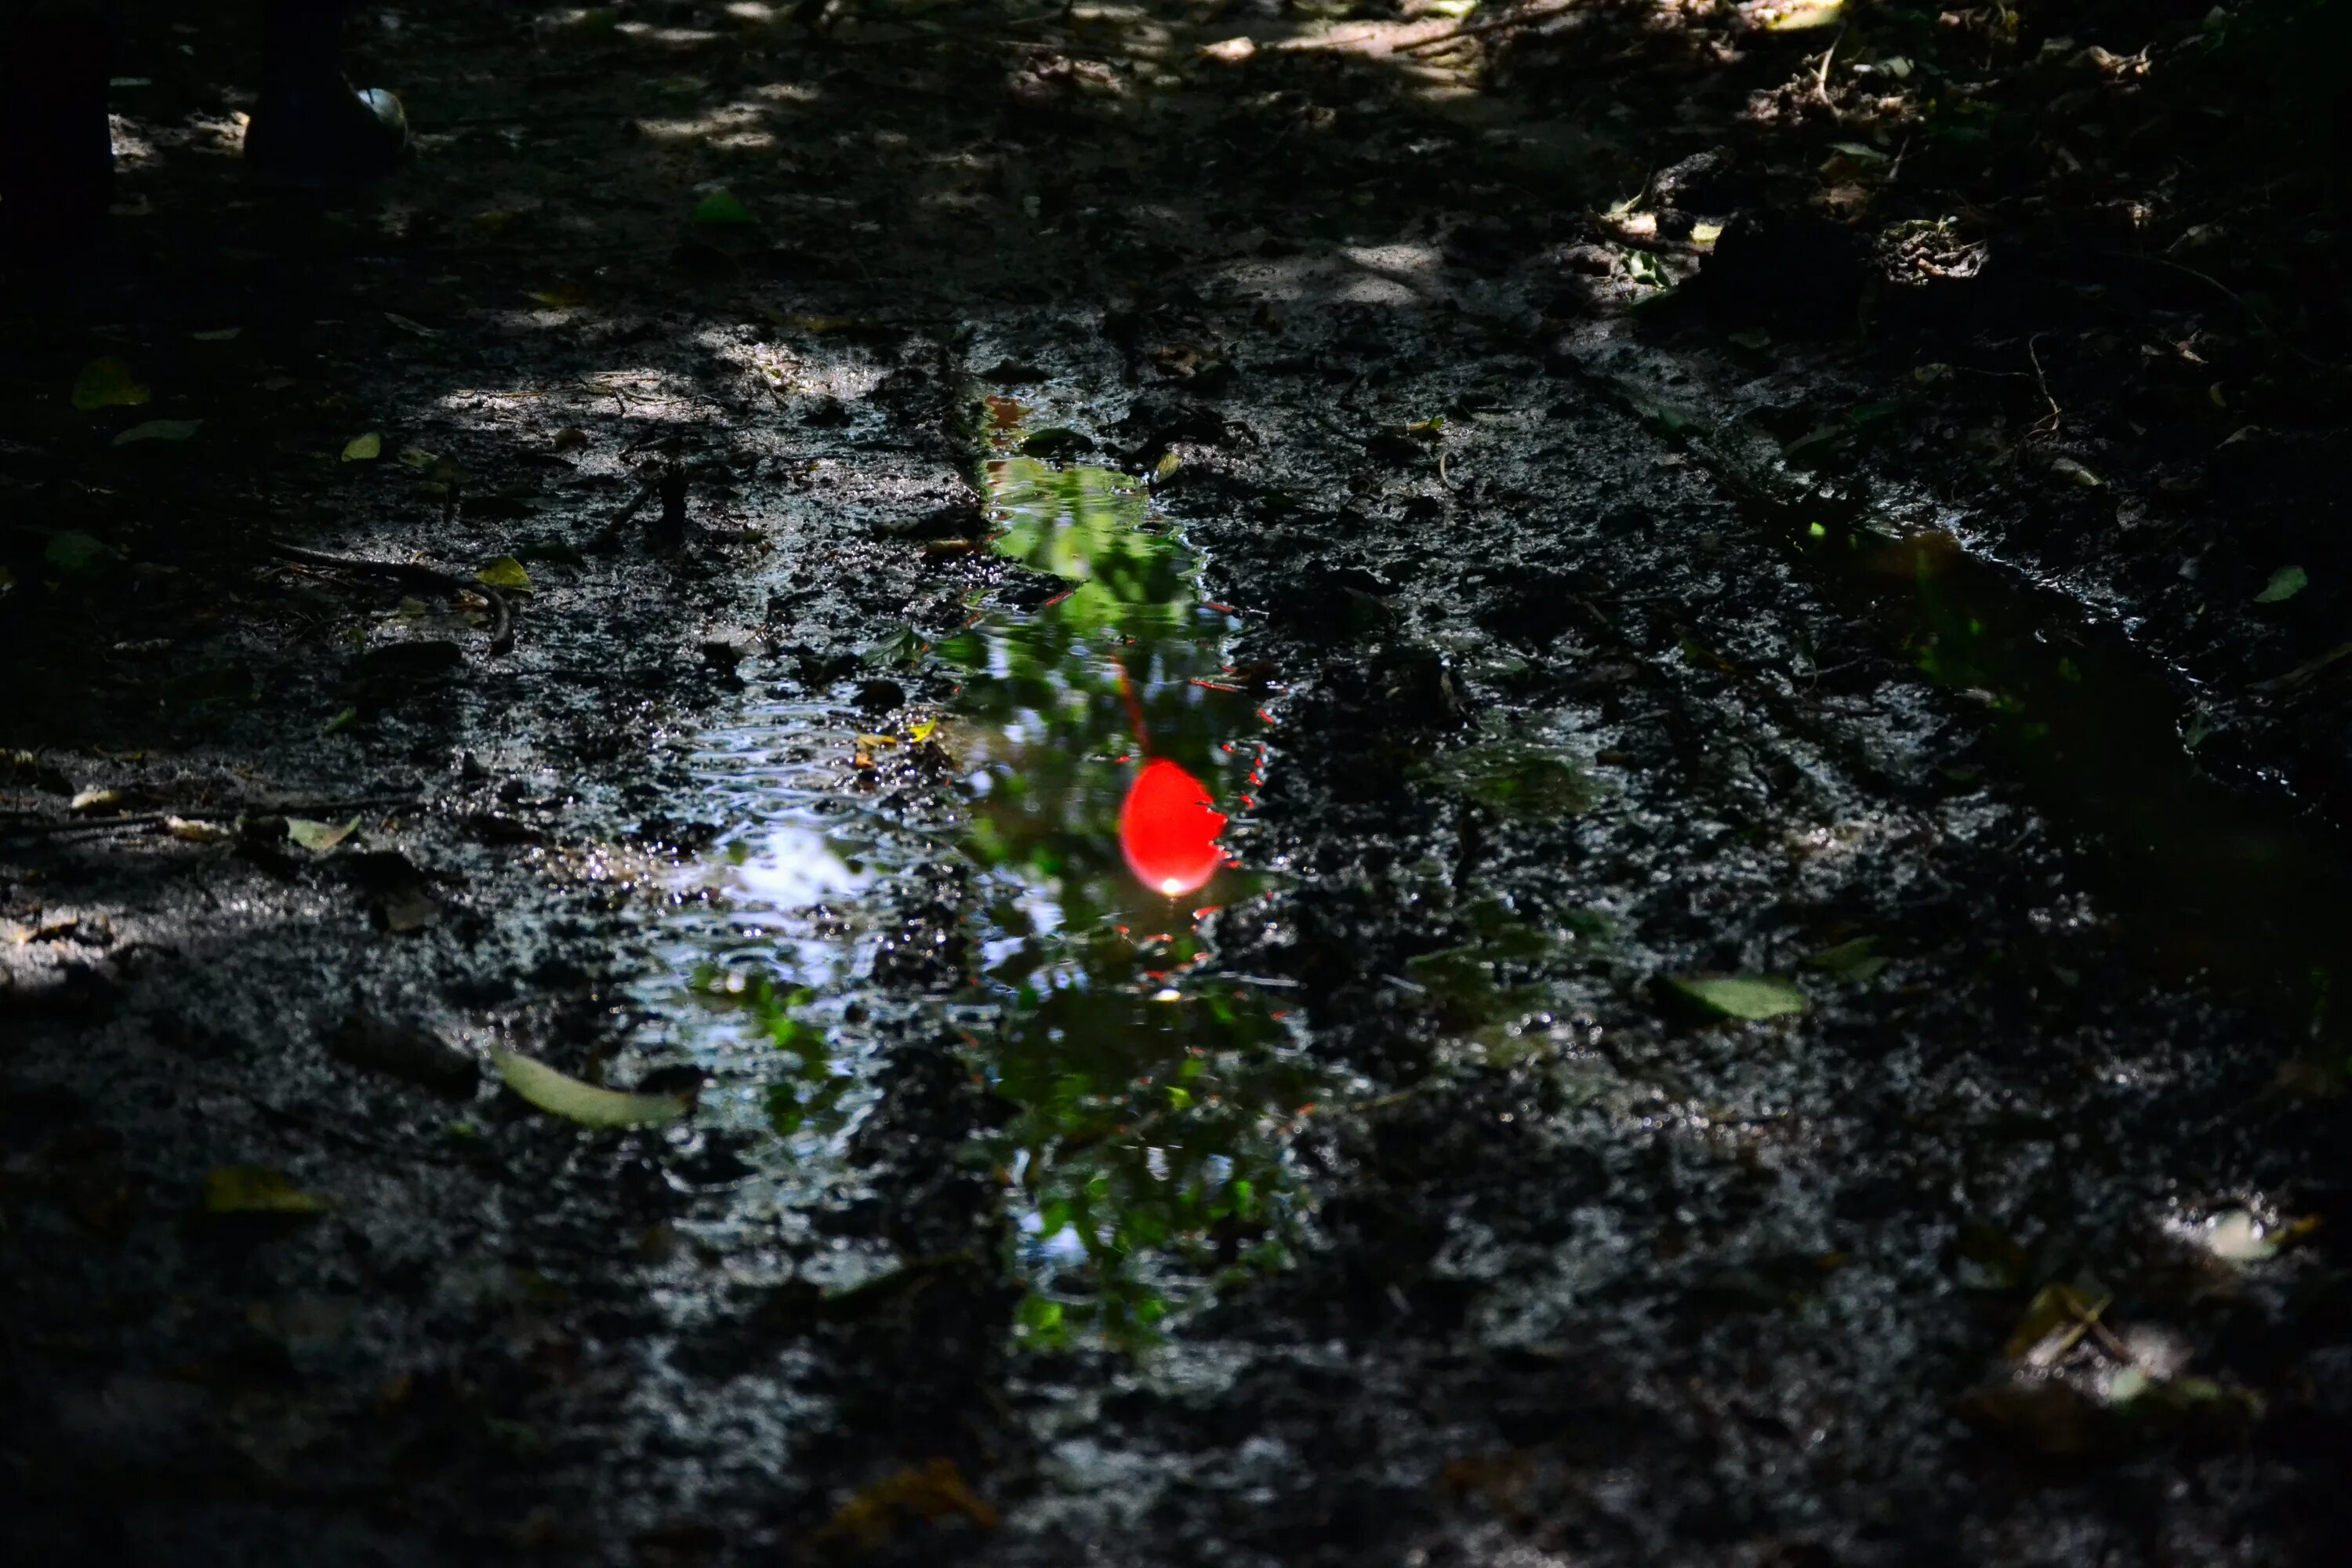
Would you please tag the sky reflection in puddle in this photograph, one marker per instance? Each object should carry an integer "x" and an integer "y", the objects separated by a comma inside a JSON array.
[{"x": 1105, "y": 748}]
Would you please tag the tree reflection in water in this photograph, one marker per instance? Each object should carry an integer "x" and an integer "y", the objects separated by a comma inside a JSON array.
[{"x": 1104, "y": 750}]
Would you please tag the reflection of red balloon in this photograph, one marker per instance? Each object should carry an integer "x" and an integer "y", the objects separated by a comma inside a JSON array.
[{"x": 1169, "y": 830}]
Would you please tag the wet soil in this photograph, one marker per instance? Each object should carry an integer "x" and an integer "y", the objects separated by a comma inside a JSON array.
[{"x": 1157, "y": 683}]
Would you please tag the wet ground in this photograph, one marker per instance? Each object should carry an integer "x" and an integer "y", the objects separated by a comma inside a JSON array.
[{"x": 1207, "y": 838}]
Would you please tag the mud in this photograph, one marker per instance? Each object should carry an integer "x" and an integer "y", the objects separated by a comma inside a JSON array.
[{"x": 1072, "y": 1177}]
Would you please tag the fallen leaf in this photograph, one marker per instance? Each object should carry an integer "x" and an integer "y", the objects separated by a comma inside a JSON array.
[
  {"x": 197, "y": 831},
  {"x": 507, "y": 574},
  {"x": 2074, "y": 473},
  {"x": 107, "y": 384},
  {"x": 159, "y": 430},
  {"x": 1857, "y": 960},
  {"x": 723, "y": 209},
  {"x": 255, "y": 1189},
  {"x": 932, "y": 1493},
  {"x": 364, "y": 449},
  {"x": 319, "y": 837},
  {"x": 1749, "y": 996},
  {"x": 96, "y": 800},
  {"x": 560, "y": 1094},
  {"x": 417, "y": 458},
  {"x": 341, "y": 722},
  {"x": 2284, "y": 583},
  {"x": 1228, "y": 51},
  {"x": 75, "y": 554},
  {"x": 406, "y": 911},
  {"x": 406, "y": 325}
]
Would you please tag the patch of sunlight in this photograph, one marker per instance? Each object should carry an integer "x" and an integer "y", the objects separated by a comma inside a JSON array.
[
  {"x": 782, "y": 366},
  {"x": 789, "y": 92},
  {"x": 1394, "y": 260},
  {"x": 1321, "y": 278},
  {"x": 674, "y": 36},
  {"x": 1793, "y": 16},
  {"x": 736, "y": 125},
  {"x": 1370, "y": 40}
]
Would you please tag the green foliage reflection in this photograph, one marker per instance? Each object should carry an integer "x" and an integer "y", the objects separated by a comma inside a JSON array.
[{"x": 1155, "y": 1101}]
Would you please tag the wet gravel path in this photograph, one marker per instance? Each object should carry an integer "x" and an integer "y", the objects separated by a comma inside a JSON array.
[{"x": 2013, "y": 1244}]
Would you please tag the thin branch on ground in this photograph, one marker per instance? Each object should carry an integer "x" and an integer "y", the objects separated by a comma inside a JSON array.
[
  {"x": 2042, "y": 382},
  {"x": 414, "y": 575}
]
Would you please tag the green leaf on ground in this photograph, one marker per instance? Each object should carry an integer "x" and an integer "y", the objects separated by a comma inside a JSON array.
[
  {"x": 560, "y": 1094},
  {"x": 107, "y": 384},
  {"x": 505, "y": 572},
  {"x": 2284, "y": 583},
  {"x": 723, "y": 209},
  {"x": 75, "y": 555},
  {"x": 257, "y": 1189},
  {"x": 1749, "y": 996},
  {"x": 364, "y": 449},
  {"x": 160, "y": 431},
  {"x": 1857, "y": 960},
  {"x": 319, "y": 837}
]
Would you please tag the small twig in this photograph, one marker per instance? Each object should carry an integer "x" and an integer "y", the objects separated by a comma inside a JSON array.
[
  {"x": 416, "y": 575},
  {"x": 2042, "y": 381},
  {"x": 2234, "y": 298},
  {"x": 608, "y": 538},
  {"x": 57, "y": 827},
  {"x": 1822, "y": 79}
]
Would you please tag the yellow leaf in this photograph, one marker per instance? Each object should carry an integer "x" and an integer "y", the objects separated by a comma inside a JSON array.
[
  {"x": 560, "y": 1094},
  {"x": 364, "y": 449},
  {"x": 319, "y": 837},
  {"x": 107, "y": 384},
  {"x": 507, "y": 574},
  {"x": 255, "y": 1189}
]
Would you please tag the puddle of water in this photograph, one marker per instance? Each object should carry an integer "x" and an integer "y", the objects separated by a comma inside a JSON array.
[
  {"x": 1106, "y": 748},
  {"x": 748, "y": 979}
]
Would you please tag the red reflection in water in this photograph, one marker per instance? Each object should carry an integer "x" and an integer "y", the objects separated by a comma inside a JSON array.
[{"x": 1168, "y": 829}]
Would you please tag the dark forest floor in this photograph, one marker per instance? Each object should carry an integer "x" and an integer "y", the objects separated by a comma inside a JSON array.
[{"x": 1833, "y": 497}]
